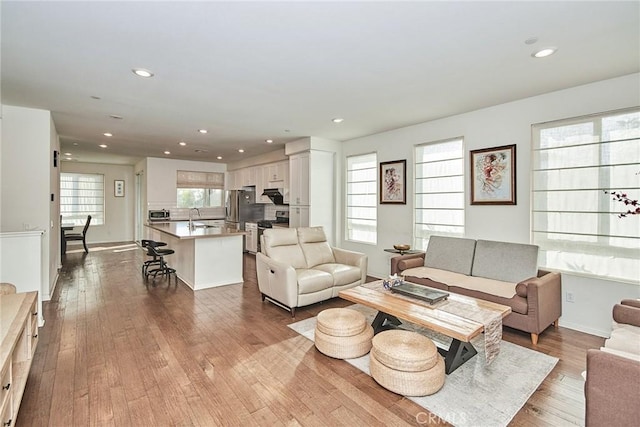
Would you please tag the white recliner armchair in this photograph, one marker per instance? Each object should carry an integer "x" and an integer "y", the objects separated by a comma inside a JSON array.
[{"x": 298, "y": 267}]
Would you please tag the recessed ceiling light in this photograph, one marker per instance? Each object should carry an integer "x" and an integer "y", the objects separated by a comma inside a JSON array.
[
  {"x": 167, "y": 152},
  {"x": 203, "y": 130},
  {"x": 115, "y": 116},
  {"x": 67, "y": 154},
  {"x": 219, "y": 157},
  {"x": 199, "y": 150},
  {"x": 337, "y": 120},
  {"x": 102, "y": 145},
  {"x": 141, "y": 72},
  {"x": 542, "y": 53},
  {"x": 269, "y": 141},
  {"x": 241, "y": 150},
  {"x": 68, "y": 158},
  {"x": 107, "y": 134},
  {"x": 531, "y": 40},
  {"x": 182, "y": 143},
  {"x": 95, "y": 97}
]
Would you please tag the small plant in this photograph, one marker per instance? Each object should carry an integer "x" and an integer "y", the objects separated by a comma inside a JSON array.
[{"x": 633, "y": 205}]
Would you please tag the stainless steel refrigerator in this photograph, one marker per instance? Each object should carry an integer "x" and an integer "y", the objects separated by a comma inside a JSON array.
[{"x": 241, "y": 207}]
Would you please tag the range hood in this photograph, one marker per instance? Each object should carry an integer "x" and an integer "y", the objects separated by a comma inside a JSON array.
[{"x": 274, "y": 195}]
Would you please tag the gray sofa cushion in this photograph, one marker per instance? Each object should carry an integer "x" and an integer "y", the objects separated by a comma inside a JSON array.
[
  {"x": 450, "y": 253},
  {"x": 509, "y": 262}
]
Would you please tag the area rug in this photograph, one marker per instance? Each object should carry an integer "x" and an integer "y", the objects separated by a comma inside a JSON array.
[{"x": 474, "y": 394}]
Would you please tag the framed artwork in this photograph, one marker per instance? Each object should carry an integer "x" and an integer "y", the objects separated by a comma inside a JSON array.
[
  {"x": 393, "y": 177},
  {"x": 493, "y": 176},
  {"x": 118, "y": 188}
]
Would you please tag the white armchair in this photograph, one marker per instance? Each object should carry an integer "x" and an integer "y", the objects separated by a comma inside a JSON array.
[{"x": 298, "y": 267}]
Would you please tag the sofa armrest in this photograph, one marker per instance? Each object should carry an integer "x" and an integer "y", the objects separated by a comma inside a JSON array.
[
  {"x": 631, "y": 302},
  {"x": 626, "y": 314},
  {"x": 404, "y": 262},
  {"x": 544, "y": 300},
  {"x": 611, "y": 390},
  {"x": 352, "y": 258},
  {"x": 277, "y": 280}
]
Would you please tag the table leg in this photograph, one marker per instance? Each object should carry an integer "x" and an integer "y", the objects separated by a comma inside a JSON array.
[
  {"x": 63, "y": 243},
  {"x": 459, "y": 352},
  {"x": 384, "y": 321}
]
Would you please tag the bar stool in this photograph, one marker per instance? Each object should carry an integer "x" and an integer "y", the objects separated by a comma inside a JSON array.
[
  {"x": 154, "y": 261},
  {"x": 162, "y": 268}
]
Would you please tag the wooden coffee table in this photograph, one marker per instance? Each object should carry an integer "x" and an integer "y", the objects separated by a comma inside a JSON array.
[{"x": 394, "y": 308}]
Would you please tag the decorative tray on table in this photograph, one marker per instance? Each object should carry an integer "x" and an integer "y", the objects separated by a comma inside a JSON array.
[{"x": 424, "y": 293}]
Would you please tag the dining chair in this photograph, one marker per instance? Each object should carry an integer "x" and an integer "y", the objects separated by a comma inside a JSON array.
[{"x": 78, "y": 236}]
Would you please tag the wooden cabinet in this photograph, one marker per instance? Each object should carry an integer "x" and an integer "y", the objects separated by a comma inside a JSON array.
[{"x": 19, "y": 334}]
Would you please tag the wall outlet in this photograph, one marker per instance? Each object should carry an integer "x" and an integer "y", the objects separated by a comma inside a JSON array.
[{"x": 570, "y": 297}]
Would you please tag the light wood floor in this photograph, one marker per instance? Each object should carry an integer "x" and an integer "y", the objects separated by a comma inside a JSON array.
[{"x": 115, "y": 351}]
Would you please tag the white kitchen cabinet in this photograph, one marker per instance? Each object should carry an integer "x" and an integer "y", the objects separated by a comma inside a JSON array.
[
  {"x": 312, "y": 185},
  {"x": 264, "y": 183},
  {"x": 233, "y": 180},
  {"x": 272, "y": 175},
  {"x": 299, "y": 179},
  {"x": 278, "y": 172},
  {"x": 299, "y": 216},
  {"x": 251, "y": 239}
]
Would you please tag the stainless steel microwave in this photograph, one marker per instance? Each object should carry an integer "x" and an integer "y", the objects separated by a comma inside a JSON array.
[{"x": 159, "y": 215}]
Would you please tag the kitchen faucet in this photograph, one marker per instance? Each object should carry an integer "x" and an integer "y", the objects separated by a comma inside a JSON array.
[{"x": 190, "y": 219}]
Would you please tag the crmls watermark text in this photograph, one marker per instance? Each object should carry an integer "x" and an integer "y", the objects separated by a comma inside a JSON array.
[{"x": 424, "y": 418}]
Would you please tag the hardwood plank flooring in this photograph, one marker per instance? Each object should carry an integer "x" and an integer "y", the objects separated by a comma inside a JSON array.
[{"x": 118, "y": 351}]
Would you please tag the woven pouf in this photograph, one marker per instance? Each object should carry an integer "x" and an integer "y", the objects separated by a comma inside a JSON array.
[
  {"x": 342, "y": 333},
  {"x": 406, "y": 363},
  {"x": 7, "y": 288}
]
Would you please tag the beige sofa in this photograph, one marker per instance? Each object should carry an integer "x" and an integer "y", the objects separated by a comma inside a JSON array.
[
  {"x": 298, "y": 267},
  {"x": 612, "y": 383},
  {"x": 501, "y": 272}
]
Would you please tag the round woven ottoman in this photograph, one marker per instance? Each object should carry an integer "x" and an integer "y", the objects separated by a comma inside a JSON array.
[
  {"x": 406, "y": 363},
  {"x": 343, "y": 333},
  {"x": 7, "y": 288}
]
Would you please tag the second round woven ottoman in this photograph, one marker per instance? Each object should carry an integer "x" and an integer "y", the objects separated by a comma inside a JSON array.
[
  {"x": 406, "y": 363},
  {"x": 343, "y": 333}
]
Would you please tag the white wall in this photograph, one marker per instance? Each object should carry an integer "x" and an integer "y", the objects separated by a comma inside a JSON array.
[
  {"x": 119, "y": 211},
  {"x": 501, "y": 125},
  {"x": 28, "y": 179}
]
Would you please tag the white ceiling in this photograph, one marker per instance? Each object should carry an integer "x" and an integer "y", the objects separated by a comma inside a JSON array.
[{"x": 249, "y": 71}]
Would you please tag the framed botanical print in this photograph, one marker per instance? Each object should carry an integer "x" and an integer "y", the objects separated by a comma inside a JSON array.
[
  {"x": 393, "y": 177},
  {"x": 493, "y": 176}
]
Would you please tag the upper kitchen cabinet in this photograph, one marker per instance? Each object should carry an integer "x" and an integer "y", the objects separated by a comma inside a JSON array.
[
  {"x": 276, "y": 175},
  {"x": 277, "y": 172},
  {"x": 312, "y": 189},
  {"x": 232, "y": 180},
  {"x": 249, "y": 176}
]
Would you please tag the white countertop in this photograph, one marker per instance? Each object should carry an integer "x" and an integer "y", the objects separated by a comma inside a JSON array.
[{"x": 181, "y": 230}]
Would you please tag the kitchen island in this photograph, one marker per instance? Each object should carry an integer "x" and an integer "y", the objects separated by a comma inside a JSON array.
[{"x": 205, "y": 256}]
